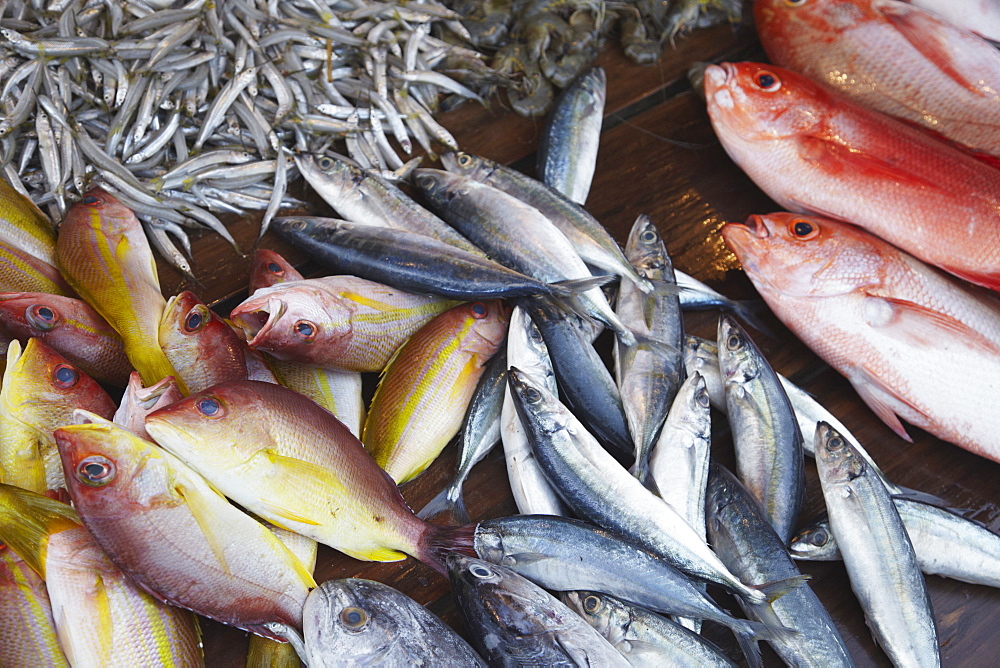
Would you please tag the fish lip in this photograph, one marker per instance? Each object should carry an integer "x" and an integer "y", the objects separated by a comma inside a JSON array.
[
  {"x": 756, "y": 225},
  {"x": 247, "y": 320},
  {"x": 719, "y": 75}
]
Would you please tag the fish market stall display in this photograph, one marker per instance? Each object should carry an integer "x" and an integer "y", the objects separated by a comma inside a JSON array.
[{"x": 456, "y": 369}]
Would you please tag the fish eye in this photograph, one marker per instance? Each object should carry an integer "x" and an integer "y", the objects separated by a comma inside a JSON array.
[
  {"x": 532, "y": 395},
  {"x": 478, "y": 310},
  {"x": 91, "y": 200},
  {"x": 297, "y": 225},
  {"x": 592, "y": 604},
  {"x": 803, "y": 229},
  {"x": 209, "y": 407},
  {"x": 648, "y": 236},
  {"x": 734, "y": 341},
  {"x": 305, "y": 330},
  {"x": 702, "y": 399},
  {"x": 195, "y": 320},
  {"x": 275, "y": 268},
  {"x": 324, "y": 162},
  {"x": 767, "y": 81},
  {"x": 835, "y": 443},
  {"x": 353, "y": 618},
  {"x": 65, "y": 376},
  {"x": 480, "y": 572},
  {"x": 95, "y": 471},
  {"x": 41, "y": 317},
  {"x": 819, "y": 538},
  {"x": 425, "y": 181},
  {"x": 464, "y": 159},
  {"x": 795, "y": 3}
]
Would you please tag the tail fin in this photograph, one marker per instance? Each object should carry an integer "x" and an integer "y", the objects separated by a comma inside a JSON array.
[
  {"x": 778, "y": 588},
  {"x": 450, "y": 498},
  {"x": 751, "y": 649},
  {"x": 438, "y": 540},
  {"x": 575, "y": 286}
]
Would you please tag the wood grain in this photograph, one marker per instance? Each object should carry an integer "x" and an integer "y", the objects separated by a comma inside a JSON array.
[{"x": 659, "y": 157}]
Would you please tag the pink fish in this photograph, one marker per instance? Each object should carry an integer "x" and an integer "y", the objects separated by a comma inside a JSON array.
[
  {"x": 814, "y": 152},
  {"x": 892, "y": 57},
  {"x": 915, "y": 343}
]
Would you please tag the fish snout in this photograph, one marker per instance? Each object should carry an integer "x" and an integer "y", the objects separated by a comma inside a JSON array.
[
  {"x": 257, "y": 323},
  {"x": 756, "y": 225}
]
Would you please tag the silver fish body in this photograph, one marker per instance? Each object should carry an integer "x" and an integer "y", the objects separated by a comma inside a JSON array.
[
  {"x": 355, "y": 622},
  {"x": 877, "y": 552}
]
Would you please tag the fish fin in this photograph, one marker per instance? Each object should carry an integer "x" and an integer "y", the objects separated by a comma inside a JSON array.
[
  {"x": 274, "y": 510},
  {"x": 575, "y": 286},
  {"x": 202, "y": 513},
  {"x": 877, "y": 397},
  {"x": 750, "y": 647},
  {"x": 437, "y": 541},
  {"x": 34, "y": 518},
  {"x": 914, "y": 323},
  {"x": 450, "y": 498},
  {"x": 777, "y": 588},
  {"x": 991, "y": 280},
  {"x": 265, "y": 652},
  {"x": 435, "y": 506},
  {"x": 105, "y": 630},
  {"x": 937, "y": 41},
  {"x": 375, "y": 554},
  {"x": 835, "y": 158},
  {"x": 296, "y": 467}
]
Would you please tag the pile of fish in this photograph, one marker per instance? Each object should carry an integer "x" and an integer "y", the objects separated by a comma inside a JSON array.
[{"x": 187, "y": 110}]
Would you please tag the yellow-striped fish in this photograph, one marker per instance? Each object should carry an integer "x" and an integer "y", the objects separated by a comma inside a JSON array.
[
  {"x": 24, "y": 226},
  {"x": 23, "y": 272},
  {"x": 425, "y": 391},
  {"x": 101, "y": 617},
  {"x": 106, "y": 258},
  {"x": 26, "y": 625}
]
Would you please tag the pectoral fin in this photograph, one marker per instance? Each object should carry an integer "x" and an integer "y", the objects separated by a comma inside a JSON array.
[
  {"x": 836, "y": 158},
  {"x": 202, "y": 513},
  {"x": 918, "y": 325},
  {"x": 880, "y": 399}
]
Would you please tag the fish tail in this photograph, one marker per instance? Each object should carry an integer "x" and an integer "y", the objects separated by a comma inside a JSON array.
[
  {"x": 437, "y": 541},
  {"x": 778, "y": 588},
  {"x": 575, "y": 286},
  {"x": 268, "y": 653},
  {"x": 748, "y": 643},
  {"x": 750, "y": 311},
  {"x": 450, "y": 498}
]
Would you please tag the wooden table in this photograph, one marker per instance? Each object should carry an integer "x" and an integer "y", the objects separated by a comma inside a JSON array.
[{"x": 659, "y": 157}]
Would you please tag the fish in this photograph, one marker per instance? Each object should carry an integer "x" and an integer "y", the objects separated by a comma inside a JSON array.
[
  {"x": 28, "y": 628},
  {"x": 769, "y": 456},
  {"x": 526, "y": 351},
  {"x": 426, "y": 388},
  {"x": 878, "y": 554},
  {"x": 24, "y": 226},
  {"x": 270, "y": 268},
  {"x": 944, "y": 542},
  {"x": 356, "y": 622},
  {"x": 598, "y": 489},
  {"x": 105, "y": 256},
  {"x": 72, "y": 328},
  {"x": 480, "y": 432},
  {"x": 644, "y": 638},
  {"x": 41, "y": 389},
  {"x": 943, "y": 77},
  {"x": 979, "y": 16},
  {"x": 431, "y": 266},
  {"x": 515, "y": 234},
  {"x": 366, "y": 199},
  {"x": 567, "y": 150},
  {"x": 342, "y": 322},
  {"x": 915, "y": 344},
  {"x": 175, "y": 536},
  {"x": 102, "y": 618},
  {"x": 201, "y": 347},
  {"x": 649, "y": 373},
  {"x": 23, "y": 272},
  {"x": 814, "y": 152},
  {"x": 746, "y": 541},
  {"x": 287, "y": 460},
  {"x": 588, "y": 237},
  {"x": 139, "y": 401},
  {"x": 513, "y": 621}
]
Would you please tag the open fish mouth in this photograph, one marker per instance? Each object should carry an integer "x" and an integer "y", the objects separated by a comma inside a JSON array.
[
  {"x": 756, "y": 225},
  {"x": 257, "y": 323}
]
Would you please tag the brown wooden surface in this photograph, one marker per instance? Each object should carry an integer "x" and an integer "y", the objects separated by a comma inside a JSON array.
[{"x": 659, "y": 157}]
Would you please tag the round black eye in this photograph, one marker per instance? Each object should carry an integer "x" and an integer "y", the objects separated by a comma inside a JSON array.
[
  {"x": 324, "y": 162},
  {"x": 65, "y": 376},
  {"x": 478, "y": 311},
  {"x": 96, "y": 471},
  {"x": 819, "y": 538},
  {"x": 648, "y": 237},
  {"x": 767, "y": 81},
  {"x": 802, "y": 228},
  {"x": 91, "y": 200},
  {"x": 275, "y": 268},
  {"x": 464, "y": 159},
  {"x": 297, "y": 225},
  {"x": 194, "y": 321},
  {"x": 41, "y": 317},
  {"x": 592, "y": 604},
  {"x": 835, "y": 443},
  {"x": 734, "y": 341},
  {"x": 481, "y": 571},
  {"x": 209, "y": 407},
  {"x": 702, "y": 399},
  {"x": 353, "y": 618},
  {"x": 305, "y": 330},
  {"x": 532, "y": 395}
]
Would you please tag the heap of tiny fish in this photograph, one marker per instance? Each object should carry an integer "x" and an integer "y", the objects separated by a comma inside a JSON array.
[{"x": 187, "y": 110}]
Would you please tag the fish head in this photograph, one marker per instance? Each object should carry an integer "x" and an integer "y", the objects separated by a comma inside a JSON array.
[
  {"x": 645, "y": 249},
  {"x": 609, "y": 617},
  {"x": 805, "y": 256},
  {"x": 139, "y": 401},
  {"x": 186, "y": 315},
  {"x": 486, "y": 324},
  {"x": 109, "y": 470},
  {"x": 41, "y": 388},
  {"x": 26, "y": 314},
  {"x": 100, "y": 209},
  {"x": 535, "y": 405},
  {"x": 440, "y": 187},
  {"x": 760, "y": 102},
  {"x": 466, "y": 164},
  {"x": 351, "y": 619},
  {"x": 470, "y": 574},
  {"x": 269, "y": 268},
  {"x": 740, "y": 361},
  {"x": 333, "y": 179},
  {"x": 814, "y": 542},
  {"x": 836, "y": 459},
  {"x": 295, "y": 321},
  {"x": 696, "y": 417},
  {"x": 219, "y": 428}
]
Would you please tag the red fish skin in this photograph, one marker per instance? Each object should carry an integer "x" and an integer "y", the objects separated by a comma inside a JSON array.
[
  {"x": 72, "y": 328},
  {"x": 914, "y": 342},
  {"x": 812, "y": 151},
  {"x": 892, "y": 57},
  {"x": 201, "y": 346},
  {"x": 269, "y": 268}
]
